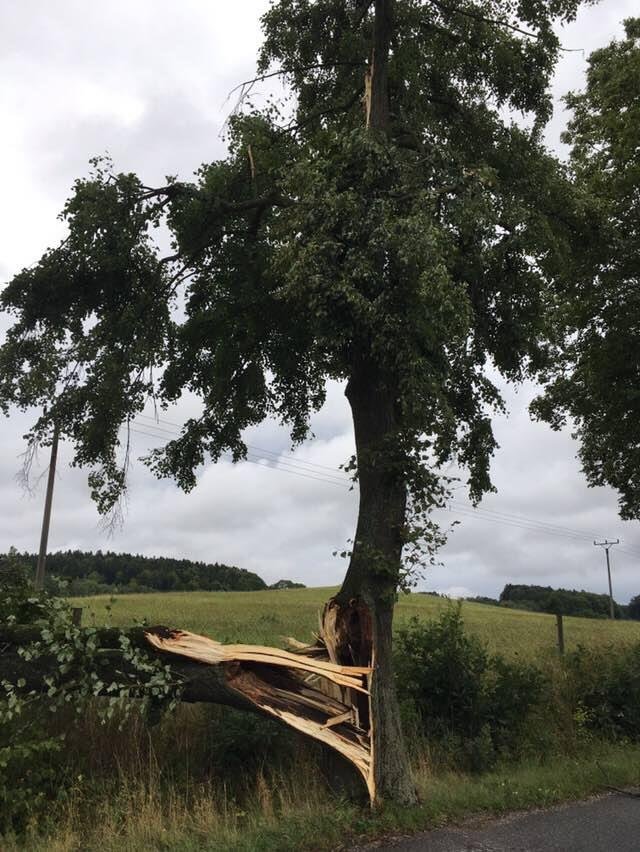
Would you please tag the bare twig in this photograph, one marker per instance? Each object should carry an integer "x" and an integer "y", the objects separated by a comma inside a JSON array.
[
  {"x": 29, "y": 458},
  {"x": 284, "y": 71},
  {"x": 113, "y": 521},
  {"x": 245, "y": 88}
]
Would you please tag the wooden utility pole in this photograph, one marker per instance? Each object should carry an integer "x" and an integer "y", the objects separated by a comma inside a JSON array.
[
  {"x": 46, "y": 518},
  {"x": 607, "y": 545}
]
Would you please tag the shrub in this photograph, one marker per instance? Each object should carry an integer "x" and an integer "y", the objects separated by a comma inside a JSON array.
[
  {"x": 19, "y": 602},
  {"x": 605, "y": 691},
  {"x": 475, "y": 705},
  {"x": 30, "y": 742},
  {"x": 633, "y": 609}
]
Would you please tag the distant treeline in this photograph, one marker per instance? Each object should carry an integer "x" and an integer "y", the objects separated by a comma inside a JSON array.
[
  {"x": 560, "y": 601},
  {"x": 97, "y": 573}
]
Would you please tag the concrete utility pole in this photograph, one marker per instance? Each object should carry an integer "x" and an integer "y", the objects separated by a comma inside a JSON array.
[
  {"x": 46, "y": 518},
  {"x": 607, "y": 545}
]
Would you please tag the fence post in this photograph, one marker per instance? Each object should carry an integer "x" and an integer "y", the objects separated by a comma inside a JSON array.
[
  {"x": 76, "y": 615},
  {"x": 560, "y": 627}
]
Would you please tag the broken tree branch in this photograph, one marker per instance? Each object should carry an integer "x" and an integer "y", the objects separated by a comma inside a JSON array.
[{"x": 305, "y": 691}]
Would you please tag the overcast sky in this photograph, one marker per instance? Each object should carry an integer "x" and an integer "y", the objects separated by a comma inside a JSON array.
[{"x": 147, "y": 81}]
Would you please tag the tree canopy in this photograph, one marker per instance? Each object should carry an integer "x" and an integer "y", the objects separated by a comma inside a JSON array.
[
  {"x": 314, "y": 247},
  {"x": 560, "y": 601},
  {"x": 391, "y": 226},
  {"x": 634, "y": 608},
  {"x": 594, "y": 377}
]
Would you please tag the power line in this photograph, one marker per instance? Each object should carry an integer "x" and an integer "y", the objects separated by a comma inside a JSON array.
[
  {"x": 305, "y": 475},
  {"x": 517, "y": 517},
  {"x": 290, "y": 464},
  {"x": 523, "y": 522},
  {"x": 283, "y": 464},
  {"x": 479, "y": 515},
  {"x": 290, "y": 461},
  {"x": 547, "y": 526},
  {"x": 249, "y": 446}
]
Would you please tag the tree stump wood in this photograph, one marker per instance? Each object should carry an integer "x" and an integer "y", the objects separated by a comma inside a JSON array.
[{"x": 308, "y": 688}]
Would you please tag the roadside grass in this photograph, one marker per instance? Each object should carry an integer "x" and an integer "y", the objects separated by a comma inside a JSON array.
[
  {"x": 210, "y": 778},
  {"x": 293, "y": 811},
  {"x": 265, "y": 617}
]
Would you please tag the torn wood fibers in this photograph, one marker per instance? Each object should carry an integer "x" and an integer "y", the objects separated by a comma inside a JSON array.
[{"x": 309, "y": 688}]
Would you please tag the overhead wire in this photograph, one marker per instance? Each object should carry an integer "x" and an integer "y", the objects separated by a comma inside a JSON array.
[
  {"x": 314, "y": 474},
  {"x": 314, "y": 471},
  {"x": 510, "y": 516},
  {"x": 249, "y": 460},
  {"x": 304, "y": 462}
]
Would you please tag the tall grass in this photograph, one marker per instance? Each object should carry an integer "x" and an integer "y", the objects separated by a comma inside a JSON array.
[
  {"x": 210, "y": 778},
  {"x": 140, "y": 805}
]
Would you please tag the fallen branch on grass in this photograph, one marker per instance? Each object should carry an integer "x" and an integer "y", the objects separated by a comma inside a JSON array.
[{"x": 307, "y": 690}]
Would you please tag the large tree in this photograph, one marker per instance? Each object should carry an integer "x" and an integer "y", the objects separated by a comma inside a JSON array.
[
  {"x": 389, "y": 228},
  {"x": 594, "y": 378}
]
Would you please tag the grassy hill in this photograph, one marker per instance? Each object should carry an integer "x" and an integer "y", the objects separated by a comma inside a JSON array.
[{"x": 264, "y": 617}]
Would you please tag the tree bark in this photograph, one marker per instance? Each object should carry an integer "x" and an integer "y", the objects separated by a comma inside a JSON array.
[
  {"x": 361, "y": 615},
  {"x": 358, "y": 623},
  {"x": 378, "y": 77}
]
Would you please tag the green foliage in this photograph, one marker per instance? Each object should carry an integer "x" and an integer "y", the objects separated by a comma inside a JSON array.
[
  {"x": 605, "y": 690},
  {"x": 593, "y": 376},
  {"x": 199, "y": 765},
  {"x": 483, "y": 599},
  {"x": 76, "y": 573},
  {"x": 31, "y": 747},
  {"x": 634, "y": 608},
  {"x": 287, "y": 584},
  {"x": 478, "y": 704},
  {"x": 20, "y": 602},
  {"x": 237, "y": 743},
  {"x": 413, "y": 256},
  {"x": 558, "y": 601}
]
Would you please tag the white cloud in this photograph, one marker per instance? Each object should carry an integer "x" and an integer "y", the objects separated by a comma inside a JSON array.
[{"x": 456, "y": 592}]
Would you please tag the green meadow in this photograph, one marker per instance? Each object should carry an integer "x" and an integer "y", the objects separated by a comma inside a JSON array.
[
  {"x": 209, "y": 778},
  {"x": 266, "y": 617}
]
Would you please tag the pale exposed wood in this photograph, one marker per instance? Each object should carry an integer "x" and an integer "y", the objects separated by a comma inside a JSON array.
[
  {"x": 337, "y": 720},
  {"x": 210, "y": 651},
  {"x": 314, "y": 696},
  {"x": 302, "y": 691},
  {"x": 295, "y": 643}
]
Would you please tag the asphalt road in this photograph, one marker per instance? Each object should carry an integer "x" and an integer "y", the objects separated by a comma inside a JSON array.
[{"x": 605, "y": 824}]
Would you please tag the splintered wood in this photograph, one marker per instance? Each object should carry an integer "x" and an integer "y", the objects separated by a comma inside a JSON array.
[{"x": 316, "y": 696}]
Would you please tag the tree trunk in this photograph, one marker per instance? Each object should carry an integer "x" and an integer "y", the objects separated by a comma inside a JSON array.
[
  {"x": 357, "y": 624},
  {"x": 360, "y": 617},
  {"x": 341, "y": 691}
]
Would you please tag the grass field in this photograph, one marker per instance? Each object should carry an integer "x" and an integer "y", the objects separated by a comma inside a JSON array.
[
  {"x": 175, "y": 786},
  {"x": 265, "y": 617}
]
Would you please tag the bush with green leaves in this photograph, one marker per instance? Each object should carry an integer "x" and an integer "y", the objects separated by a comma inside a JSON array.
[
  {"x": 604, "y": 688},
  {"x": 19, "y": 601},
  {"x": 473, "y": 705},
  {"x": 31, "y": 739}
]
